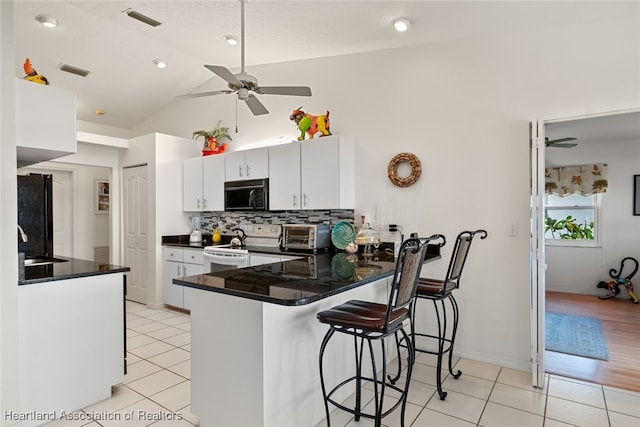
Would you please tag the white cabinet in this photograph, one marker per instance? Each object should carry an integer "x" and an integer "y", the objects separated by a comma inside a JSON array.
[
  {"x": 178, "y": 262},
  {"x": 317, "y": 174},
  {"x": 203, "y": 184},
  {"x": 45, "y": 122},
  {"x": 248, "y": 164}
]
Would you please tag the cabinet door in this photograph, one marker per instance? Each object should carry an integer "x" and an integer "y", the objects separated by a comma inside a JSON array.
[
  {"x": 284, "y": 177},
  {"x": 192, "y": 185},
  {"x": 235, "y": 166},
  {"x": 213, "y": 177},
  {"x": 257, "y": 163},
  {"x": 320, "y": 173},
  {"x": 173, "y": 294},
  {"x": 190, "y": 270}
]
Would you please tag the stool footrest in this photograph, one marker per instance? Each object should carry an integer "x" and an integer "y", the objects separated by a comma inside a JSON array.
[{"x": 360, "y": 413}]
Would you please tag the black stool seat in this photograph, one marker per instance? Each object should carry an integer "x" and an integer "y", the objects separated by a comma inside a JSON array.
[
  {"x": 435, "y": 287},
  {"x": 362, "y": 315}
]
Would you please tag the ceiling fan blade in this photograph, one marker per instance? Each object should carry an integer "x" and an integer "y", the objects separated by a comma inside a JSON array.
[
  {"x": 256, "y": 106},
  {"x": 224, "y": 73},
  {"x": 561, "y": 144},
  {"x": 202, "y": 94},
  {"x": 552, "y": 141},
  {"x": 284, "y": 90}
]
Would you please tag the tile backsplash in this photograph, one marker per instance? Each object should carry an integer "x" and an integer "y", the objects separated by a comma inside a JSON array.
[{"x": 229, "y": 220}]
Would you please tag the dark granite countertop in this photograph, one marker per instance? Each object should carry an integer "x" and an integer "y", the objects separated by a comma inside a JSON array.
[
  {"x": 70, "y": 269},
  {"x": 301, "y": 281},
  {"x": 182, "y": 240}
]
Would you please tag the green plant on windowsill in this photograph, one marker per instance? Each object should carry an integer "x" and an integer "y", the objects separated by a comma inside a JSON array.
[{"x": 568, "y": 228}]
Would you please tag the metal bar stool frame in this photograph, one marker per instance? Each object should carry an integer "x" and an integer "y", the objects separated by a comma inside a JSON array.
[
  {"x": 441, "y": 291},
  {"x": 370, "y": 321}
]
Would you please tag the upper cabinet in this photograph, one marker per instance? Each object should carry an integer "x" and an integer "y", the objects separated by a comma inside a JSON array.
[
  {"x": 203, "y": 184},
  {"x": 45, "y": 122},
  {"x": 316, "y": 174},
  {"x": 248, "y": 164}
]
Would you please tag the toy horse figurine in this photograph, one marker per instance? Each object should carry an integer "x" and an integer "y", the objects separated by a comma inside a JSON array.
[
  {"x": 614, "y": 285},
  {"x": 310, "y": 124}
]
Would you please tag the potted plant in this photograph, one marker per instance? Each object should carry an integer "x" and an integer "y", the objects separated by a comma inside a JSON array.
[{"x": 213, "y": 139}]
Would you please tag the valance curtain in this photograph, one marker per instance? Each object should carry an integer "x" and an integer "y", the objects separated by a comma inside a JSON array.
[{"x": 584, "y": 180}]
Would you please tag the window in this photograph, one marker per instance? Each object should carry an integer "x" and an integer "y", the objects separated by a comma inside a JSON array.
[{"x": 572, "y": 220}]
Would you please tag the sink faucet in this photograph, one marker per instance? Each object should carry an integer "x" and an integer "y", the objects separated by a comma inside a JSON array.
[{"x": 23, "y": 235}]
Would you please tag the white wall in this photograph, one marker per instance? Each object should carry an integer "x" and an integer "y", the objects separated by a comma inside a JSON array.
[
  {"x": 578, "y": 270},
  {"x": 463, "y": 108}
]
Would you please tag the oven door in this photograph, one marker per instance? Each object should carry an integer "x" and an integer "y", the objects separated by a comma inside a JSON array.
[{"x": 221, "y": 261}]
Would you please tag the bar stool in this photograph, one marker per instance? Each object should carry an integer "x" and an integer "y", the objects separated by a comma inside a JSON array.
[
  {"x": 440, "y": 291},
  {"x": 369, "y": 321}
]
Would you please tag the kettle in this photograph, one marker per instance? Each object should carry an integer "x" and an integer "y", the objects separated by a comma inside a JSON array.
[{"x": 238, "y": 241}]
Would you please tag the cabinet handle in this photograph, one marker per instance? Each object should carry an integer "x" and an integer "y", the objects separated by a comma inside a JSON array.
[
  {"x": 198, "y": 203},
  {"x": 295, "y": 200},
  {"x": 240, "y": 171},
  {"x": 304, "y": 200},
  {"x": 184, "y": 270},
  {"x": 204, "y": 203},
  {"x": 248, "y": 171},
  {"x": 178, "y": 272}
]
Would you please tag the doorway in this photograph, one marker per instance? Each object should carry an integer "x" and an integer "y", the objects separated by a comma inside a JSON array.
[
  {"x": 135, "y": 232},
  {"x": 599, "y": 138}
]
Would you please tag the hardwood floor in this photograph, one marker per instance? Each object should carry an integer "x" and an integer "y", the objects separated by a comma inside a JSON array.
[{"x": 620, "y": 320}]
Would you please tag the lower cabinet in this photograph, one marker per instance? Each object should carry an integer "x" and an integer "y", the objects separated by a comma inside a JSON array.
[{"x": 178, "y": 262}]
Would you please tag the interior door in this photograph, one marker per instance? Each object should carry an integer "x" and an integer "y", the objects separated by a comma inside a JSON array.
[
  {"x": 62, "y": 214},
  {"x": 537, "y": 255},
  {"x": 135, "y": 232}
]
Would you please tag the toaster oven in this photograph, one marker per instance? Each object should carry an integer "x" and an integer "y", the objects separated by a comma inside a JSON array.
[{"x": 306, "y": 236}]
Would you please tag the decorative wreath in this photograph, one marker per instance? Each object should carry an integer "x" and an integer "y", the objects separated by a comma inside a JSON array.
[{"x": 416, "y": 169}]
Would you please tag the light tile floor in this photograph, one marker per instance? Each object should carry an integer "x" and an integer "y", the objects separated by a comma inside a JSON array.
[{"x": 156, "y": 390}]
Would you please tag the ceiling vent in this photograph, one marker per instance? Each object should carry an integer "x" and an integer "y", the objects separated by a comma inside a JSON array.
[
  {"x": 74, "y": 70},
  {"x": 140, "y": 17}
]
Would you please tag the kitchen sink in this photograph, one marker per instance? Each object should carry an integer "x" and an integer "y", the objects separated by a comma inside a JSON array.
[{"x": 42, "y": 261}]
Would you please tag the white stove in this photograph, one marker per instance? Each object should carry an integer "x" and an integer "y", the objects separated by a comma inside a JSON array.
[{"x": 226, "y": 257}]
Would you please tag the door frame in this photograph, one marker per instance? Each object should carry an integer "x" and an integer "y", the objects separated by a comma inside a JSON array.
[{"x": 537, "y": 252}]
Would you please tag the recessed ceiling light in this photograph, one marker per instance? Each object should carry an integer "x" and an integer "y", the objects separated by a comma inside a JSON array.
[
  {"x": 231, "y": 40},
  {"x": 47, "y": 21},
  {"x": 402, "y": 24},
  {"x": 160, "y": 63}
]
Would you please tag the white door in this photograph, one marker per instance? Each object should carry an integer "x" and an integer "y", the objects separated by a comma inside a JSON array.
[
  {"x": 62, "y": 214},
  {"x": 284, "y": 177},
  {"x": 135, "y": 232},
  {"x": 537, "y": 255}
]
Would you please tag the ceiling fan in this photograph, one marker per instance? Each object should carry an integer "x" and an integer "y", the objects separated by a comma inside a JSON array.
[
  {"x": 243, "y": 83},
  {"x": 560, "y": 142}
]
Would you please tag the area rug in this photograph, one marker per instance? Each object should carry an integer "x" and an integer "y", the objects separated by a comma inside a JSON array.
[{"x": 578, "y": 335}]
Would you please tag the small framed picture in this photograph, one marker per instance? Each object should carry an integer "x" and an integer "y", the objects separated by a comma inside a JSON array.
[
  {"x": 636, "y": 194},
  {"x": 102, "y": 197}
]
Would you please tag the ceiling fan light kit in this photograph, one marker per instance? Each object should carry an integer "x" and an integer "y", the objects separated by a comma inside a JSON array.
[{"x": 243, "y": 84}]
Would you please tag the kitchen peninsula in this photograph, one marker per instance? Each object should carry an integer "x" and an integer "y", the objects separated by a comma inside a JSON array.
[
  {"x": 255, "y": 337},
  {"x": 72, "y": 334}
]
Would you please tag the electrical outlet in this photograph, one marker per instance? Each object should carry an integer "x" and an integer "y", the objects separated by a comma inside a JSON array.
[{"x": 513, "y": 229}]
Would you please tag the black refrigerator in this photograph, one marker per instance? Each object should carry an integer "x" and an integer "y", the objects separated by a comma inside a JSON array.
[{"x": 35, "y": 215}]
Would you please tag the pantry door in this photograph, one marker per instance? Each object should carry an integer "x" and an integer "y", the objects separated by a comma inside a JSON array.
[
  {"x": 537, "y": 254},
  {"x": 135, "y": 231}
]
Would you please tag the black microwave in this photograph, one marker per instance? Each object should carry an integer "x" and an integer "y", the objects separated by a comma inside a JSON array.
[{"x": 246, "y": 195}]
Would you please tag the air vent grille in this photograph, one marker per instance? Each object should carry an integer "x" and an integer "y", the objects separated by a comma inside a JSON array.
[
  {"x": 142, "y": 18},
  {"x": 74, "y": 70}
]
